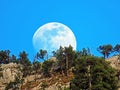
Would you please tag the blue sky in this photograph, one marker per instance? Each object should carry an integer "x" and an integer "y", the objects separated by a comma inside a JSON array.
[{"x": 94, "y": 22}]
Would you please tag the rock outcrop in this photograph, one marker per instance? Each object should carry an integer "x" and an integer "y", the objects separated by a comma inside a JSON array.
[
  {"x": 114, "y": 62},
  {"x": 8, "y": 73}
]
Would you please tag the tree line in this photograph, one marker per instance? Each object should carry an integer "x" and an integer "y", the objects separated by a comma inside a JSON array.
[
  {"x": 90, "y": 72},
  {"x": 108, "y": 49},
  {"x": 105, "y": 50}
]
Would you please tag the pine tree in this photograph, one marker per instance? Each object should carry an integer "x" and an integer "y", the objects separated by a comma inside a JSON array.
[
  {"x": 93, "y": 73},
  {"x": 105, "y": 50},
  {"x": 25, "y": 62}
]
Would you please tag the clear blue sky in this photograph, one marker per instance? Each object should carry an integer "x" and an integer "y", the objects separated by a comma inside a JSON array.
[{"x": 94, "y": 22}]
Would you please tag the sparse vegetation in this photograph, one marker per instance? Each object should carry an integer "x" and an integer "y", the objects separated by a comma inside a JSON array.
[
  {"x": 44, "y": 85},
  {"x": 14, "y": 85},
  {"x": 84, "y": 70},
  {"x": 66, "y": 88},
  {"x": 46, "y": 68}
]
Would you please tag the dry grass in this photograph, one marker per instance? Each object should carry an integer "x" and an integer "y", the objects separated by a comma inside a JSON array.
[{"x": 29, "y": 85}]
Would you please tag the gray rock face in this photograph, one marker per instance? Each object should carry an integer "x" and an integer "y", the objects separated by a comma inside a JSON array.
[{"x": 8, "y": 73}]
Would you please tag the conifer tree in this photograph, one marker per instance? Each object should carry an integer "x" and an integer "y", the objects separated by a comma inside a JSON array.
[{"x": 93, "y": 73}]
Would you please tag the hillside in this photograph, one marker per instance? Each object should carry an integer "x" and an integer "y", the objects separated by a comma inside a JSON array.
[
  {"x": 9, "y": 72},
  {"x": 115, "y": 62}
]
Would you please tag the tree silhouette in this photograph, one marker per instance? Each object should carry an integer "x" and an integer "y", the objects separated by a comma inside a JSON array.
[
  {"x": 4, "y": 56},
  {"x": 83, "y": 52},
  {"x": 13, "y": 59},
  {"x": 117, "y": 48},
  {"x": 41, "y": 54},
  {"x": 105, "y": 50}
]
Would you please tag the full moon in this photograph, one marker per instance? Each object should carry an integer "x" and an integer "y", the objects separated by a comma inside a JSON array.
[{"x": 52, "y": 35}]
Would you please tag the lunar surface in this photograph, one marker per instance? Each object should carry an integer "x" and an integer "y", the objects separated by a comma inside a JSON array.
[{"x": 52, "y": 35}]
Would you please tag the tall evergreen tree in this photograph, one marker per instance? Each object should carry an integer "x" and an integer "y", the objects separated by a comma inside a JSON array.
[
  {"x": 65, "y": 57},
  {"x": 93, "y": 73},
  {"x": 69, "y": 57},
  {"x": 59, "y": 54}
]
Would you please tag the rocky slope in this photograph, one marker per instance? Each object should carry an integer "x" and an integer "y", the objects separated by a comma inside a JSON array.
[
  {"x": 115, "y": 62},
  {"x": 55, "y": 82},
  {"x": 9, "y": 72}
]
